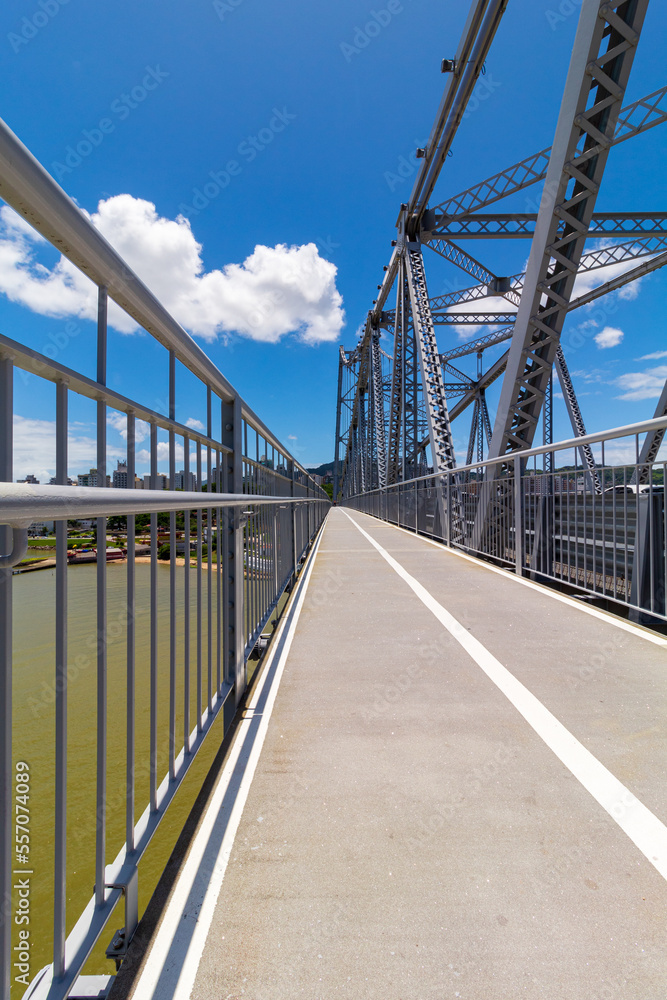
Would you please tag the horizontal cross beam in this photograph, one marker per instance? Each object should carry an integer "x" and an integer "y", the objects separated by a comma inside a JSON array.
[{"x": 521, "y": 225}]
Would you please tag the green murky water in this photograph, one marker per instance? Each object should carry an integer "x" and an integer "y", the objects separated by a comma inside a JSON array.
[{"x": 34, "y": 734}]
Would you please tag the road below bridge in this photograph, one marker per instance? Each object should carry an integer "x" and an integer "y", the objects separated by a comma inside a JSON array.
[{"x": 448, "y": 783}]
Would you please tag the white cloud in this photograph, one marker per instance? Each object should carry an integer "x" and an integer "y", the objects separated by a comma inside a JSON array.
[
  {"x": 491, "y": 304},
  {"x": 292, "y": 437},
  {"x": 642, "y": 385},
  {"x": 653, "y": 357},
  {"x": 119, "y": 423},
  {"x": 195, "y": 424},
  {"x": 35, "y": 450},
  {"x": 274, "y": 292},
  {"x": 611, "y": 336}
]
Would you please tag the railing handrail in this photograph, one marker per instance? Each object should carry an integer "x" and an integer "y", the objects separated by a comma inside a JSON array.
[
  {"x": 21, "y": 503},
  {"x": 31, "y": 191},
  {"x": 629, "y": 430}
]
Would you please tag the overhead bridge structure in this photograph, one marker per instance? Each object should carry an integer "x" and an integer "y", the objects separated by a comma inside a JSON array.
[
  {"x": 391, "y": 435},
  {"x": 411, "y": 746}
]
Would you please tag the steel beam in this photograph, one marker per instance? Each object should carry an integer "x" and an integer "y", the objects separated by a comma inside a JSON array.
[
  {"x": 377, "y": 390},
  {"x": 602, "y": 58},
  {"x": 522, "y": 226},
  {"x": 651, "y": 446},
  {"x": 577, "y": 422},
  {"x": 442, "y": 447},
  {"x": 480, "y": 29},
  {"x": 636, "y": 118}
]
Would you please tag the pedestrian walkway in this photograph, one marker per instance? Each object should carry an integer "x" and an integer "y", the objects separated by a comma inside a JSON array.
[{"x": 449, "y": 783}]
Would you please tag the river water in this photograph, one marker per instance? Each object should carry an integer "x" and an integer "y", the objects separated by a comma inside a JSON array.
[{"x": 34, "y": 735}]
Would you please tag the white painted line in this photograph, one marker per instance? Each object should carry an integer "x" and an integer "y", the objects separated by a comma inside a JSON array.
[
  {"x": 643, "y": 828},
  {"x": 172, "y": 964},
  {"x": 604, "y": 616}
]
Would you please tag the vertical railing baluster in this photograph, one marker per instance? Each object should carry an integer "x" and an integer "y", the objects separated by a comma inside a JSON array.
[
  {"x": 153, "y": 631},
  {"x": 100, "y": 845},
  {"x": 172, "y": 571},
  {"x": 6, "y": 763},
  {"x": 219, "y": 518},
  {"x": 131, "y": 648},
  {"x": 199, "y": 592},
  {"x": 518, "y": 517},
  {"x": 209, "y": 561},
  {"x": 186, "y": 603},
  {"x": 60, "y": 824}
]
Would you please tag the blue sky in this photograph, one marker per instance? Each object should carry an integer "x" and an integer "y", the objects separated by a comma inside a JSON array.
[{"x": 297, "y": 119}]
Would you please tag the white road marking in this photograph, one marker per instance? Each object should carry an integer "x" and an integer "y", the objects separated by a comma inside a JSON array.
[
  {"x": 604, "y": 616},
  {"x": 173, "y": 962},
  {"x": 643, "y": 828}
]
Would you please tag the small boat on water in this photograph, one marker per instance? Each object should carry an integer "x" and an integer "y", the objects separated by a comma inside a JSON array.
[{"x": 90, "y": 555}]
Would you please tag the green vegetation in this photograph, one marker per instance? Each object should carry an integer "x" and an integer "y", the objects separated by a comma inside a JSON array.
[{"x": 50, "y": 543}]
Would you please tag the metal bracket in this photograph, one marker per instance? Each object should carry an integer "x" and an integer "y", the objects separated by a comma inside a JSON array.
[
  {"x": 128, "y": 883},
  {"x": 91, "y": 988},
  {"x": 19, "y": 547}
]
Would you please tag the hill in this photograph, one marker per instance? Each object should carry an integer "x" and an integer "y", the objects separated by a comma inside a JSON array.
[{"x": 322, "y": 470}]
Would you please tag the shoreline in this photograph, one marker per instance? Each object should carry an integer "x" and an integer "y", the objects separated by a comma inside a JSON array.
[{"x": 50, "y": 563}]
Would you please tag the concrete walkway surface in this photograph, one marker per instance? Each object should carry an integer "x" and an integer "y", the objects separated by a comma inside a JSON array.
[{"x": 422, "y": 824}]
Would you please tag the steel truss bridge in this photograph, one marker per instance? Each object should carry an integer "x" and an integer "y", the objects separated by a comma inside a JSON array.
[
  {"x": 398, "y": 391},
  {"x": 441, "y": 766}
]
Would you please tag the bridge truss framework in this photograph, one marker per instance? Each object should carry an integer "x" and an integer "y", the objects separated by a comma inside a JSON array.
[{"x": 394, "y": 422}]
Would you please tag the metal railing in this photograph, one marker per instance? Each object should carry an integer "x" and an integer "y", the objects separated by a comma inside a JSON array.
[
  {"x": 605, "y": 538},
  {"x": 243, "y": 535}
]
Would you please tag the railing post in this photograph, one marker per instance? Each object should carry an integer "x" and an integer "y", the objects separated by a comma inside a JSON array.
[
  {"x": 60, "y": 810},
  {"x": 518, "y": 517},
  {"x": 293, "y": 519},
  {"x": 101, "y": 544},
  {"x": 448, "y": 519},
  {"x": 6, "y": 782},
  {"x": 234, "y": 609}
]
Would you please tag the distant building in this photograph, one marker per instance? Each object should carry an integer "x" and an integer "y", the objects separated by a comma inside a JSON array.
[
  {"x": 161, "y": 482},
  {"x": 138, "y": 483},
  {"x": 29, "y": 479},
  {"x": 91, "y": 479},
  {"x": 187, "y": 481},
  {"x": 120, "y": 476},
  {"x": 38, "y": 528},
  {"x": 54, "y": 482}
]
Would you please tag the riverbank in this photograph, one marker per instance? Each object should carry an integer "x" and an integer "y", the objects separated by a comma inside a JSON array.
[{"x": 50, "y": 563}]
